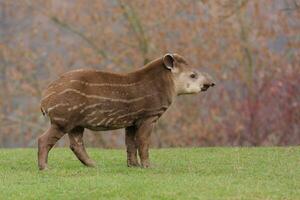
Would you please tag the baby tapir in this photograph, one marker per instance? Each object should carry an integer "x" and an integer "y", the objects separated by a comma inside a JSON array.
[{"x": 100, "y": 101}]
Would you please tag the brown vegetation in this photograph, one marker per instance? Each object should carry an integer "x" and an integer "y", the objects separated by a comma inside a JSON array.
[{"x": 250, "y": 47}]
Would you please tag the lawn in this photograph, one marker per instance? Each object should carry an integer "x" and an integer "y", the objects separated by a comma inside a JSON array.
[{"x": 187, "y": 173}]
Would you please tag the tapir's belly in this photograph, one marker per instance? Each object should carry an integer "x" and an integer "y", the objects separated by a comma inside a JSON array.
[{"x": 105, "y": 128}]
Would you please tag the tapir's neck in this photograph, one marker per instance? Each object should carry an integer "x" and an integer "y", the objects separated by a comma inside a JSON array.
[{"x": 157, "y": 79}]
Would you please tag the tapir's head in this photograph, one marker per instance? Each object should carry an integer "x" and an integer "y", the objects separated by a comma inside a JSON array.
[{"x": 187, "y": 79}]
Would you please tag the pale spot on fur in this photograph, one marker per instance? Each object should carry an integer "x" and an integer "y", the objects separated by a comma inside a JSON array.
[
  {"x": 108, "y": 121},
  {"x": 104, "y": 84},
  {"x": 56, "y": 106},
  {"x": 114, "y": 113},
  {"x": 59, "y": 119},
  {"x": 156, "y": 110},
  {"x": 91, "y": 106},
  {"x": 92, "y": 120},
  {"x": 106, "y": 98},
  {"x": 76, "y": 106},
  {"x": 100, "y": 123},
  {"x": 48, "y": 95},
  {"x": 92, "y": 113}
]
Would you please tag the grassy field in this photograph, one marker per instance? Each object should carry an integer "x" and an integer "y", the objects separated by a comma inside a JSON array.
[{"x": 195, "y": 173}]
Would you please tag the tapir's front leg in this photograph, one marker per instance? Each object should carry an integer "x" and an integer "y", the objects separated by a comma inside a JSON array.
[
  {"x": 143, "y": 141},
  {"x": 131, "y": 145}
]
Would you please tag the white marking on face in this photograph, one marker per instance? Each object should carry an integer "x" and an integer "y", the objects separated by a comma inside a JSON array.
[{"x": 189, "y": 82}]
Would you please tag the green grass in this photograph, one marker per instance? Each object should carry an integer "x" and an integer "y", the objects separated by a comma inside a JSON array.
[{"x": 195, "y": 173}]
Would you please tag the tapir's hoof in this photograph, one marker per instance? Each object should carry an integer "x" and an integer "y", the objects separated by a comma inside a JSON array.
[
  {"x": 90, "y": 163},
  {"x": 133, "y": 164},
  {"x": 145, "y": 165},
  {"x": 43, "y": 167}
]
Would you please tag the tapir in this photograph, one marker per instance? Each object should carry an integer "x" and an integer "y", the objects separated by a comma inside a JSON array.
[{"x": 100, "y": 101}]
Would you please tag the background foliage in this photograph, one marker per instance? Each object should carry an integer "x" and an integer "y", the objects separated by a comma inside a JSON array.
[{"x": 250, "y": 47}]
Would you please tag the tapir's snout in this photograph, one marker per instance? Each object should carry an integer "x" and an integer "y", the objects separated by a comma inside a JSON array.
[
  {"x": 206, "y": 86},
  {"x": 208, "y": 82},
  {"x": 209, "y": 85}
]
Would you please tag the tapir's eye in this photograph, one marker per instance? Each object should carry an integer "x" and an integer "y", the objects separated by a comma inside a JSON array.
[{"x": 193, "y": 75}]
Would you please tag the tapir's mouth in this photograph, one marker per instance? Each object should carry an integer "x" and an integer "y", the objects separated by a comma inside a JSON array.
[
  {"x": 206, "y": 86},
  {"x": 203, "y": 89}
]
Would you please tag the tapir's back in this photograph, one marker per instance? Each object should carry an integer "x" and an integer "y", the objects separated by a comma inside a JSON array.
[
  {"x": 75, "y": 86},
  {"x": 100, "y": 100}
]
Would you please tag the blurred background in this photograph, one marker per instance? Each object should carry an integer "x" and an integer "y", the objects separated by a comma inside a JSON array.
[{"x": 250, "y": 47}]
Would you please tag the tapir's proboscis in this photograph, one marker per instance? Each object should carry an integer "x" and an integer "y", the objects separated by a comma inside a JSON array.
[{"x": 100, "y": 101}]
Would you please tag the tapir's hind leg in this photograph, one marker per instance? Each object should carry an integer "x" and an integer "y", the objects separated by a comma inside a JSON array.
[
  {"x": 143, "y": 141},
  {"x": 45, "y": 143},
  {"x": 77, "y": 146},
  {"x": 131, "y": 145}
]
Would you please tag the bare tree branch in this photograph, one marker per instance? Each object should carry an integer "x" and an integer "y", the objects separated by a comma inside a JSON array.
[
  {"x": 68, "y": 27},
  {"x": 81, "y": 35},
  {"x": 136, "y": 25},
  {"x": 234, "y": 11},
  {"x": 296, "y": 6},
  {"x": 19, "y": 120}
]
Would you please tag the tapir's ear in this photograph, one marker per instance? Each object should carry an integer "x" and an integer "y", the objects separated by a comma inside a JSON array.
[{"x": 168, "y": 60}]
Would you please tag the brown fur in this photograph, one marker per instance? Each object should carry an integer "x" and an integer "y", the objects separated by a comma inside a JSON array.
[{"x": 99, "y": 100}]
